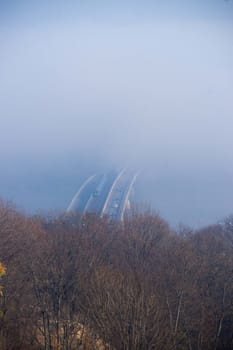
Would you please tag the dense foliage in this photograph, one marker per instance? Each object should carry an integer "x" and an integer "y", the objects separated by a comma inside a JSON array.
[{"x": 87, "y": 283}]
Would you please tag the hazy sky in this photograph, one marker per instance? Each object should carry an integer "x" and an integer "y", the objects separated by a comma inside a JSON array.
[{"x": 87, "y": 85}]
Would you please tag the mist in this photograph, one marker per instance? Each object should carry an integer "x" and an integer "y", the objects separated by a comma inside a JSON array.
[{"x": 87, "y": 88}]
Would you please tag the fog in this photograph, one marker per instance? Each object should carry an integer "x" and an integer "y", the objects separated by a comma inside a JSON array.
[{"x": 87, "y": 88}]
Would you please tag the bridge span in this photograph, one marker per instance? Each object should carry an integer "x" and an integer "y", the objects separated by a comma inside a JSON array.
[{"x": 107, "y": 194}]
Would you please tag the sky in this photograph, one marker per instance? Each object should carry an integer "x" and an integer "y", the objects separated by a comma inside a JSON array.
[{"x": 87, "y": 86}]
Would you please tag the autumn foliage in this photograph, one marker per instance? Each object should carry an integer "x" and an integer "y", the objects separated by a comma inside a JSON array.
[{"x": 77, "y": 282}]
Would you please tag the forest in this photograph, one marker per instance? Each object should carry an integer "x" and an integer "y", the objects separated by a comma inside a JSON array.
[{"x": 81, "y": 282}]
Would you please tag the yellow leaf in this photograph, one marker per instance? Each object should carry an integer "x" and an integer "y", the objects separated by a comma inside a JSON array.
[{"x": 2, "y": 269}]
